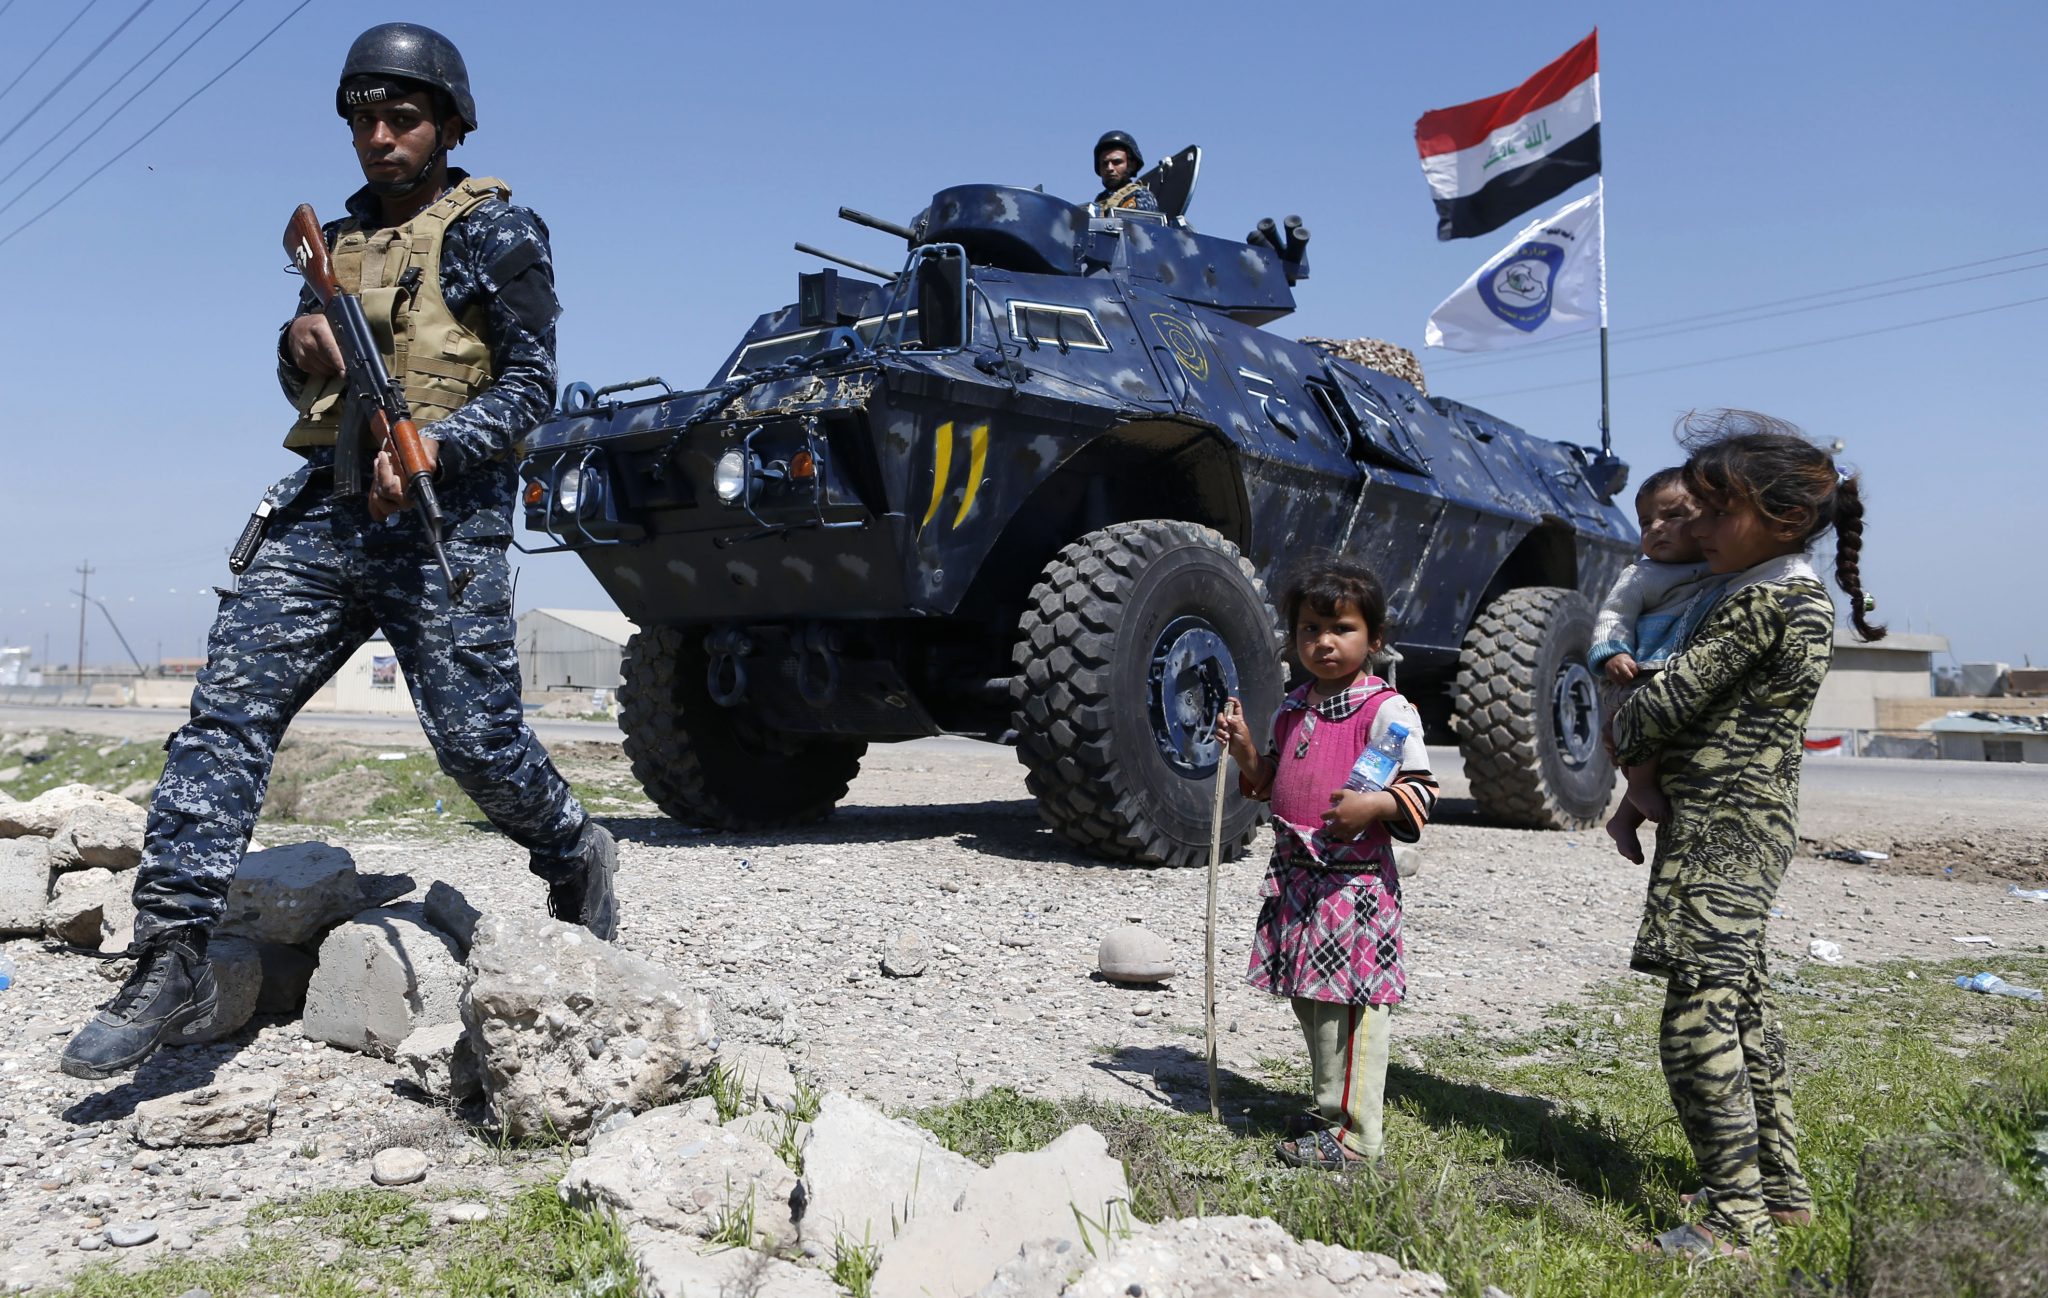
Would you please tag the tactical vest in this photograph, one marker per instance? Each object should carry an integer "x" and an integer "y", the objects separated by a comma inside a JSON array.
[{"x": 440, "y": 360}]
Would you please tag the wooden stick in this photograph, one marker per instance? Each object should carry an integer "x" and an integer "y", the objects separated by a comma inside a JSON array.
[{"x": 1209, "y": 939}]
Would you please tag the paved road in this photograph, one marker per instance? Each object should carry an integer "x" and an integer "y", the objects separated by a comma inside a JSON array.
[{"x": 1878, "y": 778}]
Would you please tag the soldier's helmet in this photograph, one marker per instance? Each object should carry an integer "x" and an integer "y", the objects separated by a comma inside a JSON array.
[
  {"x": 1120, "y": 140},
  {"x": 405, "y": 52}
]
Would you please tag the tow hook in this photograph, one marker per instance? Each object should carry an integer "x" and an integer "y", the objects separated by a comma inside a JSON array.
[
  {"x": 817, "y": 664},
  {"x": 725, "y": 680}
]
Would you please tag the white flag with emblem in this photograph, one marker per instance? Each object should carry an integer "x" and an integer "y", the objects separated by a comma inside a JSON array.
[{"x": 1550, "y": 280}]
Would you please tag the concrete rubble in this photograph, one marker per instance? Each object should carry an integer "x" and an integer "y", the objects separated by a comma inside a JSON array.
[
  {"x": 292, "y": 894},
  {"x": 382, "y": 975},
  {"x": 230, "y": 1114},
  {"x": 1050, "y": 1193},
  {"x": 569, "y": 1030}
]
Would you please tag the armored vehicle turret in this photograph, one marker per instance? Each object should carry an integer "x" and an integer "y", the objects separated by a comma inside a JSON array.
[{"x": 1034, "y": 486}]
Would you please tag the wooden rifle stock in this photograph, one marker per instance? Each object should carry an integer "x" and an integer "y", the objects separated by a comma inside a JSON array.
[{"x": 307, "y": 248}]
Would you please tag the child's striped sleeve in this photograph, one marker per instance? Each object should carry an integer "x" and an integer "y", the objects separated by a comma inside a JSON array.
[{"x": 1415, "y": 792}]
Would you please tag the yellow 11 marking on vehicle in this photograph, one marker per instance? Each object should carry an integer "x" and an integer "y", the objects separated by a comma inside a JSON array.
[{"x": 942, "y": 466}]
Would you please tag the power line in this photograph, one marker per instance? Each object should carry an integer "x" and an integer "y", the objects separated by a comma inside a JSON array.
[
  {"x": 47, "y": 48},
  {"x": 1658, "y": 328},
  {"x": 209, "y": 84},
  {"x": 101, "y": 97},
  {"x": 1637, "y": 335},
  {"x": 81, "y": 66},
  {"x": 1771, "y": 351}
]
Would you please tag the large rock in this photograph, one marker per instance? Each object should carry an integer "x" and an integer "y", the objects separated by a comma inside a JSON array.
[
  {"x": 450, "y": 911},
  {"x": 443, "y": 1063},
  {"x": 287, "y": 972},
  {"x": 677, "y": 1268},
  {"x": 78, "y": 905},
  {"x": 44, "y": 813},
  {"x": 673, "y": 1171},
  {"x": 24, "y": 886},
  {"x": 570, "y": 1030},
  {"x": 292, "y": 894},
  {"x": 232, "y": 1113},
  {"x": 104, "y": 835},
  {"x": 238, "y": 973},
  {"x": 1043, "y": 1195},
  {"x": 1223, "y": 1257},
  {"x": 865, "y": 1175},
  {"x": 383, "y": 975},
  {"x": 1132, "y": 953}
]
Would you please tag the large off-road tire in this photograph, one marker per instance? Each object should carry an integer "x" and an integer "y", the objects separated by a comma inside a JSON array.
[
  {"x": 1130, "y": 640},
  {"x": 712, "y": 766},
  {"x": 1528, "y": 713}
]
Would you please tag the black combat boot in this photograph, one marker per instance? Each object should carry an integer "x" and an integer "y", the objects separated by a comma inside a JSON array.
[
  {"x": 586, "y": 896},
  {"x": 172, "y": 988}
]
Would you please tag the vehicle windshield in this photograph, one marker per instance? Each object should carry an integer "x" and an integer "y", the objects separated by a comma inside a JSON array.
[{"x": 783, "y": 347}]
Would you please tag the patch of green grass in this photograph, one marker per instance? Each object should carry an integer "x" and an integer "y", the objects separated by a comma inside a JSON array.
[
  {"x": 71, "y": 758},
  {"x": 537, "y": 1245},
  {"x": 809, "y": 1102},
  {"x": 533, "y": 1246},
  {"x": 367, "y": 1219},
  {"x": 853, "y": 1265},
  {"x": 1535, "y": 1162},
  {"x": 734, "y": 1225}
]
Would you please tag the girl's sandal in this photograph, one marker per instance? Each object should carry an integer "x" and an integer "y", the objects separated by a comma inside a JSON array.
[
  {"x": 1690, "y": 1242},
  {"x": 1783, "y": 1216},
  {"x": 1320, "y": 1150}
]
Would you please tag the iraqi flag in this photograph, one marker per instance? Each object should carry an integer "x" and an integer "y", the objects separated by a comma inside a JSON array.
[
  {"x": 1493, "y": 159},
  {"x": 1550, "y": 280}
]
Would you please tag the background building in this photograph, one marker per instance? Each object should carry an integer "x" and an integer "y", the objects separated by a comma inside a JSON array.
[{"x": 572, "y": 648}]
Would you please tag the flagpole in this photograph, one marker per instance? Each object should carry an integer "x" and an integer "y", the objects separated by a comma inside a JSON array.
[{"x": 1606, "y": 434}]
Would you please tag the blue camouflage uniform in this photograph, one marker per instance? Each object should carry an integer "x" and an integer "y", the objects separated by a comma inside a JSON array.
[{"x": 326, "y": 577}]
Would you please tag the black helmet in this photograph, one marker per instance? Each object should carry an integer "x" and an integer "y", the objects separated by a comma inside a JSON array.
[
  {"x": 408, "y": 52},
  {"x": 1120, "y": 140}
]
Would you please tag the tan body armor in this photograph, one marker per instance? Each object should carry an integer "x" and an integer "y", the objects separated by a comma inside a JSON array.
[{"x": 441, "y": 361}]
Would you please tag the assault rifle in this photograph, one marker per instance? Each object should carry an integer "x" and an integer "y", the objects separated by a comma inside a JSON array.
[{"x": 373, "y": 396}]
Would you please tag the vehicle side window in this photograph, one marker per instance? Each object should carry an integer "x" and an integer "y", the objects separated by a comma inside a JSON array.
[{"x": 1065, "y": 327}]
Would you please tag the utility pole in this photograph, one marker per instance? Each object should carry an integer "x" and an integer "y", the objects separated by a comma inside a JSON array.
[{"x": 84, "y": 575}]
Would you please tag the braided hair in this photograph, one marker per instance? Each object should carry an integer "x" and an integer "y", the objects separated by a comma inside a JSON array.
[{"x": 1766, "y": 464}]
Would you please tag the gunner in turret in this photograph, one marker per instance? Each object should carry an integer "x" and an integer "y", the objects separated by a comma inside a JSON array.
[{"x": 1117, "y": 162}]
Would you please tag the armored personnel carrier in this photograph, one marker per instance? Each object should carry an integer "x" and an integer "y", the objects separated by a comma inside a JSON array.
[{"x": 1035, "y": 486}]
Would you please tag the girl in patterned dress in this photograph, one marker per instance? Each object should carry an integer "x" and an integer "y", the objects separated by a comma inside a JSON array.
[
  {"x": 1726, "y": 721},
  {"x": 1329, "y": 930}
]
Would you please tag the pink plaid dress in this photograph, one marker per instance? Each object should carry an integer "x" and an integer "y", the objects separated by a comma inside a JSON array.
[{"x": 1330, "y": 926}]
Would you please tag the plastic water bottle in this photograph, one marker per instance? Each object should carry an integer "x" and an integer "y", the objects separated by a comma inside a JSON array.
[
  {"x": 6, "y": 973},
  {"x": 1380, "y": 763},
  {"x": 1991, "y": 984}
]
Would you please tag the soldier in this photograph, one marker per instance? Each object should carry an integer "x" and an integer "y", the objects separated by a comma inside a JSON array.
[
  {"x": 1117, "y": 162},
  {"x": 466, "y": 281}
]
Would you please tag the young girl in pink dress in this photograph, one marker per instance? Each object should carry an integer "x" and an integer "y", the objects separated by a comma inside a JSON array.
[{"x": 1329, "y": 931}]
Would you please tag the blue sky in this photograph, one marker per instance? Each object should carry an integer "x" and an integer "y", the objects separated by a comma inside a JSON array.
[{"x": 1753, "y": 153}]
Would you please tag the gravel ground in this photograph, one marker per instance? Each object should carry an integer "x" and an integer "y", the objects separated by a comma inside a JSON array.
[{"x": 1503, "y": 924}]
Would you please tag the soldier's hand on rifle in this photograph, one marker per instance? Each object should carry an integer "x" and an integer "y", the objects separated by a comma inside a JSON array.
[
  {"x": 387, "y": 493},
  {"x": 310, "y": 342}
]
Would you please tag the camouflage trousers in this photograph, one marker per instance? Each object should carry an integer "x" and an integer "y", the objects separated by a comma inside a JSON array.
[
  {"x": 1724, "y": 1060},
  {"x": 323, "y": 581}
]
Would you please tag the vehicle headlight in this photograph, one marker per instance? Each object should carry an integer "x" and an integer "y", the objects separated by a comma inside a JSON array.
[
  {"x": 729, "y": 479},
  {"x": 569, "y": 490}
]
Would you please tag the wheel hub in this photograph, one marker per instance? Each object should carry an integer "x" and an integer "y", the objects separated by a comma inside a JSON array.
[
  {"x": 1191, "y": 677},
  {"x": 1575, "y": 709}
]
